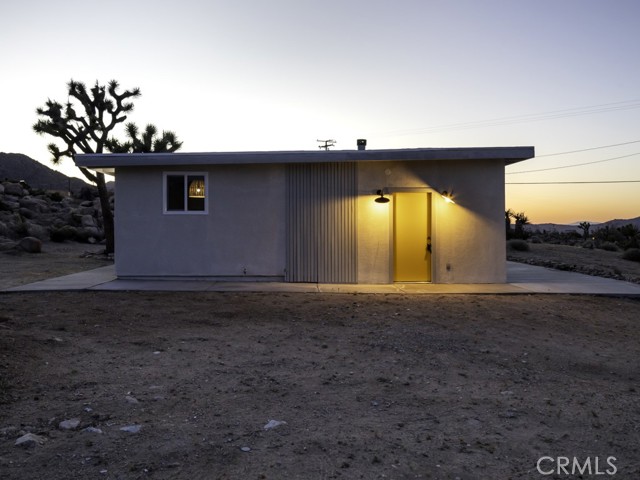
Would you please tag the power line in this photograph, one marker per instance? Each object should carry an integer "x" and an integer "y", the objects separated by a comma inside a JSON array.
[
  {"x": 587, "y": 149},
  {"x": 532, "y": 117},
  {"x": 575, "y": 165},
  {"x": 574, "y": 182}
]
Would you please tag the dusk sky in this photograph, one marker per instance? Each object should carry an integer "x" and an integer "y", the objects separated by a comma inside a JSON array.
[{"x": 560, "y": 75}]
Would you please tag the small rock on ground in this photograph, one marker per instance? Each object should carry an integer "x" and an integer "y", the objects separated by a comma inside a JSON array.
[{"x": 30, "y": 440}]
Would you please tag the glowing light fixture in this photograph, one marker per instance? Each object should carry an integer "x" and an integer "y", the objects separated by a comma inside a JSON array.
[
  {"x": 381, "y": 198},
  {"x": 196, "y": 188},
  {"x": 448, "y": 197}
]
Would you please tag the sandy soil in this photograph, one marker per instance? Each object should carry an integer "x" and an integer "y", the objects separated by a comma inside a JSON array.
[
  {"x": 370, "y": 386},
  {"x": 583, "y": 260},
  {"x": 56, "y": 259}
]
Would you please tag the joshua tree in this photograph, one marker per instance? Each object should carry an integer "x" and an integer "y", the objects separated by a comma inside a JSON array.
[
  {"x": 149, "y": 141},
  {"x": 585, "y": 227},
  {"x": 102, "y": 109},
  {"x": 521, "y": 220},
  {"x": 507, "y": 221}
]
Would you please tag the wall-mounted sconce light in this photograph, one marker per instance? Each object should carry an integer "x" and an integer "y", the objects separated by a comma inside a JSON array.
[
  {"x": 448, "y": 196},
  {"x": 381, "y": 198}
]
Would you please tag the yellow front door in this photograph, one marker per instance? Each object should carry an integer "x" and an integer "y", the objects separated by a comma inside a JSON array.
[{"x": 411, "y": 237}]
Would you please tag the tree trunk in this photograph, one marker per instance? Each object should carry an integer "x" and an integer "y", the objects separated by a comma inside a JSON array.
[
  {"x": 107, "y": 214},
  {"x": 519, "y": 233}
]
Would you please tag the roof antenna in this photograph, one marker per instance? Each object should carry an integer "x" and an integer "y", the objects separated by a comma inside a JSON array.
[{"x": 327, "y": 144}]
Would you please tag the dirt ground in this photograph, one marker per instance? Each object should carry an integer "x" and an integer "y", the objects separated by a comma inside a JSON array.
[
  {"x": 594, "y": 261},
  {"x": 370, "y": 386},
  {"x": 56, "y": 259}
]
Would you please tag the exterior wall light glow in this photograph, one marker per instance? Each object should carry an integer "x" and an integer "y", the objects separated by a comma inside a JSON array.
[
  {"x": 381, "y": 198},
  {"x": 196, "y": 189},
  {"x": 448, "y": 197}
]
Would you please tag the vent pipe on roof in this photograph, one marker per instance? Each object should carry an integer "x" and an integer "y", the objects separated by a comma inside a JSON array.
[{"x": 362, "y": 144}]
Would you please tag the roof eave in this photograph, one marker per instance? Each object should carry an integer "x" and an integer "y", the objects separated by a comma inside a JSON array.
[{"x": 107, "y": 163}]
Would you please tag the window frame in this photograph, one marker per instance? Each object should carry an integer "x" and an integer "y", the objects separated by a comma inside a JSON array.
[{"x": 185, "y": 175}]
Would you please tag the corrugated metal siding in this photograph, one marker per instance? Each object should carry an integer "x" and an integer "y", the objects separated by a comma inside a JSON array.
[{"x": 321, "y": 223}]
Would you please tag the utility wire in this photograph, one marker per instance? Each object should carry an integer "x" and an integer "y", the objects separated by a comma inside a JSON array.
[
  {"x": 575, "y": 165},
  {"x": 587, "y": 149},
  {"x": 576, "y": 182},
  {"x": 533, "y": 117}
]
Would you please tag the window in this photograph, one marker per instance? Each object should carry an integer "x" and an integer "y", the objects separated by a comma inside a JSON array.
[{"x": 185, "y": 192}]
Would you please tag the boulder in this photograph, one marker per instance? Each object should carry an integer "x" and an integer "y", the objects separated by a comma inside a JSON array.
[
  {"x": 9, "y": 203},
  {"x": 30, "y": 245},
  {"x": 62, "y": 219},
  {"x": 87, "y": 211},
  {"x": 88, "y": 221},
  {"x": 26, "y": 213},
  {"x": 14, "y": 189},
  {"x": 68, "y": 202},
  {"x": 34, "y": 204},
  {"x": 6, "y": 245},
  {"x": 38, "y": 231}
]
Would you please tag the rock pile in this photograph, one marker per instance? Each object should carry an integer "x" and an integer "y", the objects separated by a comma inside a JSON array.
[{"x": 28, "y": 216}]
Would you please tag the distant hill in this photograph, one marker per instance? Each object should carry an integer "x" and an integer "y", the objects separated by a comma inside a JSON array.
[
  {"x": 551, "y": 227},
  {"x": 15, "y": 166}
]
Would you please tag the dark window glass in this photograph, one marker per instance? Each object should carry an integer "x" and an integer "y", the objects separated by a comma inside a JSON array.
[{"x": 175, "y": 192}]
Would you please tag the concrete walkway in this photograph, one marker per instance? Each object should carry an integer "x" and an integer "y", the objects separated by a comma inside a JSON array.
[{"x": 521, "y": 278}]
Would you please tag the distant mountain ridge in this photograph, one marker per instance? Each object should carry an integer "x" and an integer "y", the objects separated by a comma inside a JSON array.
[
  {"x": 16, "y": 166},
  {"x": 551, "y": 227}
]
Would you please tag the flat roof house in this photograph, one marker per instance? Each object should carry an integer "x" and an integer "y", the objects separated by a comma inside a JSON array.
[{"x": 337, "y": 216}]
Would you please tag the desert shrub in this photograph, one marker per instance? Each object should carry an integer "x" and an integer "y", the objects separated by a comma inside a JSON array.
[
  {"x": 631, "y": 243},
  {"x": 588, "y": 244},
  {"x": 632, "y": 254},
  {"x": 518, "y": 245},
  {"x": 55, "y": 196},
  {"x": 535, "y": 239},
  {"x": 87, "y": 193},
  {"x": 61, "y": 234},
  {"x": 609, "y": 247},
  {"x": 608, "y": 234},
  {"x": 85, "y": 235}
]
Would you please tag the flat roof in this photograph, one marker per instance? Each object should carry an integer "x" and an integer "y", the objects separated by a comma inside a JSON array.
[{"x": 108, "y": 162}]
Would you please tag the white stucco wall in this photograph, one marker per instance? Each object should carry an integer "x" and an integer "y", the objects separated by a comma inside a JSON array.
[
  {"x": 467, "y": 237},
  {"x": 243, "y": 234}
]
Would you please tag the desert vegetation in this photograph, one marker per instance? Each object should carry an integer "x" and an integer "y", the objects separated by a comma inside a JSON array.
[
  {"x": 104, "y": 107},
  {"x": 605, "y": 251},
  {"x": 622, "y": 238}
]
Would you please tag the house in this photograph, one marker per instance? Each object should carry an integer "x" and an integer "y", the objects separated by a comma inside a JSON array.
[{"x": 338, "y": 216}]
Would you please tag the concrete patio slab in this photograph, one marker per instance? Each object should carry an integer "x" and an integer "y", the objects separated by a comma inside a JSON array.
[
  {"x": 76, "y": 281},
  {"x": 521, "y": 278},
  {"x": 546, "y": 280}
]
